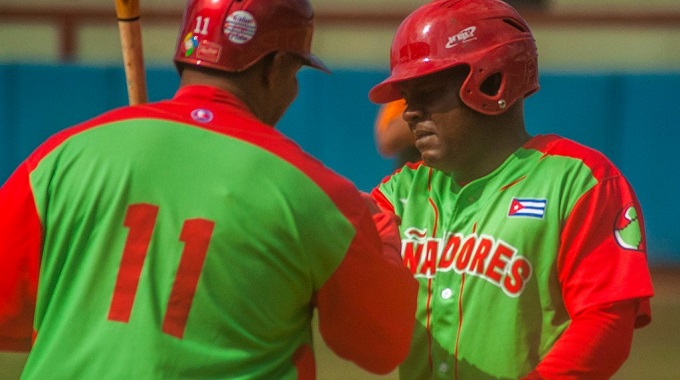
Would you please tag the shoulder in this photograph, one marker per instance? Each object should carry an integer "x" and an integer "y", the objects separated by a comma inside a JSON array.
[
  {"x": 413, "y": 177},
  {"x": 60, "y": 137},
  {"x": 408, "y": 173},
  {"x": 555, "y": 147}
]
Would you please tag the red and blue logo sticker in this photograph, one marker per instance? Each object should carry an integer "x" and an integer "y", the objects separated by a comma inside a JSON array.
[
  {"x": 240, "y": 27},
  {"x": 202, "y": 115}
]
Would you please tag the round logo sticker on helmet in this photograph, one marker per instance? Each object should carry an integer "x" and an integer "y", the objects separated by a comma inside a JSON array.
[
  {"x": 202, "y": 115},
  {"x": 240, "y": 27},
  {"x": 190, "y": 44}
]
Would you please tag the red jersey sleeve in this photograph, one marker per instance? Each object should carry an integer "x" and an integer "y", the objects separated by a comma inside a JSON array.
[
  {"x": 594, "y": 346},
  {"x": 20, "y": 246},
  {"x": 367, "y": 308},
  {"x": 603, "y": 257}
]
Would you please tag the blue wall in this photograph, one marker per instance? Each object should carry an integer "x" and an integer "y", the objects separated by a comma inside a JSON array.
[{"x": 629, "y": 117}]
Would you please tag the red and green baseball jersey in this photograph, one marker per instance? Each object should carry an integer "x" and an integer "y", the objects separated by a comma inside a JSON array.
[
  {"x": 505, "y": 260},
  {"x": 186, "y": 239}
]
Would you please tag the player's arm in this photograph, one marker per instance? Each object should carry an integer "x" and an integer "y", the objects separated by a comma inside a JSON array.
[
  {"x": 595, "y": 345},
  {"x": 20, "y": 245},
  {"x": 387, "y": 224},
  {"x": 605, "y": 282},
  {"x": 367, "y": 308}
]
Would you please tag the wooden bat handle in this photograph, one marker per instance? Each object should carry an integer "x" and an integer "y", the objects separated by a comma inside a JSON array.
[
  {"x": 131, "y": 42},
  {"x": 129, "y": 27}
]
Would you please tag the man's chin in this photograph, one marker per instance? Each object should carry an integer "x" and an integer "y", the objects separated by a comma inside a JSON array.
[
  {"x": 435, "y": 161},
  {"x": 430, "y": 159}
]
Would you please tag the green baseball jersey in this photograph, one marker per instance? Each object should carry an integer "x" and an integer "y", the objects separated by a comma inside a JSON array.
[
  {"x": 186, "y": 239},
  {"x": 505, "y": 260}
]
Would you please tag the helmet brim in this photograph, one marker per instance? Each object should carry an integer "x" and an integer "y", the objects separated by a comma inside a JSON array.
[
  {"x": 313, "y": 61},
  {"x": 386, "y": 91},
  {"x": 389, "y": 90}
]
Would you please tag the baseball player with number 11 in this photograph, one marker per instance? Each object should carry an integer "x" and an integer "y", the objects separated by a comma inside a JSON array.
[
  {"x": 529, "y": 250},
  {"x": 189, "y": 239}
]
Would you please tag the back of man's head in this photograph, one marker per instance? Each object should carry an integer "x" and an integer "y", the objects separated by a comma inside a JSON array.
[{"x": 232, "y": 35}]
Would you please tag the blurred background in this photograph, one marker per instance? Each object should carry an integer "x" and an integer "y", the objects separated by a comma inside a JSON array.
[{"x": 610, "y": 78}]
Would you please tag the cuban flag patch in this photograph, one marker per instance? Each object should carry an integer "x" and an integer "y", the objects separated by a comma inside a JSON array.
[{"x": 527, "y": 207}]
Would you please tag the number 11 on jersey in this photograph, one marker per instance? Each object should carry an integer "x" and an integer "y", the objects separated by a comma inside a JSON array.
[{"x": 140, "y": 219}]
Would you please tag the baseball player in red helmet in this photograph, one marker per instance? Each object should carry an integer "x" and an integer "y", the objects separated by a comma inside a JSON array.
[
  {"x": 529, "y": 250},
  {"x": 188, "y": 238}
]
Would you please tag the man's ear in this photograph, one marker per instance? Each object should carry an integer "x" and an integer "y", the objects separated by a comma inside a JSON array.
[{"x": 271, "y": 68}]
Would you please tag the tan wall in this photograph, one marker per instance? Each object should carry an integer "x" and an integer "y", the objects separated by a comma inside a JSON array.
[
  {"x": 351, "y": 4},
  {"x": 566, "y": 47}
]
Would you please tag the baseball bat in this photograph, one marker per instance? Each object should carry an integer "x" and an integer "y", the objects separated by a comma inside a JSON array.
[{"x": 129, "y": 27}]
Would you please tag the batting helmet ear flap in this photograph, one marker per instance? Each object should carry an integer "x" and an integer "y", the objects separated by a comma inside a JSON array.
[
  {"x": 484, "y": 93},
  {"x": 492, "y": 84},
  {"x": 498, "y": 80}
]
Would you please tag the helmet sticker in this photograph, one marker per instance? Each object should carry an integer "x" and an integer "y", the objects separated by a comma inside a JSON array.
[
  {"x": 465, "y": 35},
  {"x": 209, "y": 51},
  {"x": 190, "y": 44},
  {"x": 240, "y": 27}
]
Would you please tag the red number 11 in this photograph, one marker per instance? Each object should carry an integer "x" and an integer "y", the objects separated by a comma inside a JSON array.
[{"x": 196, "y": 234}]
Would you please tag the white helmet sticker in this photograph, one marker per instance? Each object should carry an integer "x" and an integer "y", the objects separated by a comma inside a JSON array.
[
  {"x": 465, "y": 35},
  {"x": 240, "y": 27}
]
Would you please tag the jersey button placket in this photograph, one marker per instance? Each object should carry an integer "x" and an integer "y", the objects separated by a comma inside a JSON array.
[
  {"x": 461, "y": 220},
  {"x": 445, "y": 322},
  {"x": 444, "y": 306}
]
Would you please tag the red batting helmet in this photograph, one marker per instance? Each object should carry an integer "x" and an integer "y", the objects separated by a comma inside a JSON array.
[
  {"x": 488, "y": 36},
  {"x": 231, "y": 35}
]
